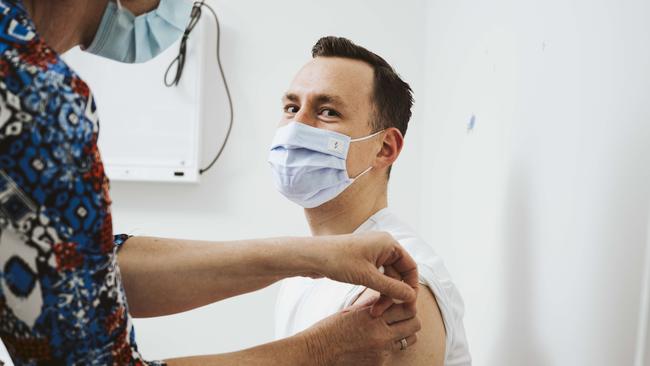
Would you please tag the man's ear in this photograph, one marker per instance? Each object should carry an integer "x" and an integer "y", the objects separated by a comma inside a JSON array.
[{"x": 390, "y": 149}]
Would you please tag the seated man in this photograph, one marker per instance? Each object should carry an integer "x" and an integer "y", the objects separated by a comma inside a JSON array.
[{"x": 345, "y": 117}]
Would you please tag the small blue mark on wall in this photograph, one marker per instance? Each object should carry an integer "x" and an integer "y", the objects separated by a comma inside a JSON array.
[{"x": 471, "y": 124}]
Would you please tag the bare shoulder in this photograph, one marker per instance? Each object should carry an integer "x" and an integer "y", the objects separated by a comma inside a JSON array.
[{"x": 430, "y": 347}]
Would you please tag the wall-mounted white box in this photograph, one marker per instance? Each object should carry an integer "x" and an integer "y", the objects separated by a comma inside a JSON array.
[{"x": 148, "y": 131}]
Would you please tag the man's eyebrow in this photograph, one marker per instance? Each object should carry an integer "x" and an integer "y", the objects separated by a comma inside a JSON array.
[
  {"x": 330, "y": 99},
  {"x": 290, "y": 97},
  {"x": 319, "y": 99}
]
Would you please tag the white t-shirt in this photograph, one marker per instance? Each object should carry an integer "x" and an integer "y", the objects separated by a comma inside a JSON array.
[{"x": 303, "y": 301}]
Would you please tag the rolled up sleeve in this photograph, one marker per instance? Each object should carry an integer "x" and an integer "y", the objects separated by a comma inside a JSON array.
[{"x": 120, "y": 239}]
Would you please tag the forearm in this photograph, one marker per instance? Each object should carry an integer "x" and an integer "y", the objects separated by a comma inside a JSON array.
[
  {"x": 167, "y": 276},
  {"x": 296, "y": 350}
]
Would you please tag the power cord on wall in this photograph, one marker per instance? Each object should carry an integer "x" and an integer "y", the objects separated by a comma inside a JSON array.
[{"x": 179, "y": 61}]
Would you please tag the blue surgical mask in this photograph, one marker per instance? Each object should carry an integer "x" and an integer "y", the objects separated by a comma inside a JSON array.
[
  {"x": 123, "y": 37},
  {"x": 309, "y": 164}
]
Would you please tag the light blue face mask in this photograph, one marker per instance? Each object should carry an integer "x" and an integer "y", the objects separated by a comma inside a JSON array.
[
  {"x": 123, "y": 37},
  {"x": 309, "y": 164}
]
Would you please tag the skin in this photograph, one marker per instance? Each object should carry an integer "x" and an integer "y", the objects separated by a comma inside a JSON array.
[
  {"x": 336, "y": 94},
  {"x": 168, "y": 276},
  {"x": 350, "y": 82},
  {"x": 188, "y": 274},
  {"x": 431, "y": 341},
  {"x": 65, "y": 24}
]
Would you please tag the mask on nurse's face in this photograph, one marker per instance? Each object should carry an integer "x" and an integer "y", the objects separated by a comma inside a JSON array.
[
  {"x": 309, "y": 164},
  {"x": 123, "y": 37}
]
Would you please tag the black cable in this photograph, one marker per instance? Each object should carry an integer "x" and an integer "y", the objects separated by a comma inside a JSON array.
[{"x": 179, "y": 61}]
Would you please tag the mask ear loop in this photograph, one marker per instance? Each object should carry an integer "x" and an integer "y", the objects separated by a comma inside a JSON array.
[
  {"x": 363, "y": 139},
  {"x": 361, "y": 174},
  {"x": 367, "y": 137}
]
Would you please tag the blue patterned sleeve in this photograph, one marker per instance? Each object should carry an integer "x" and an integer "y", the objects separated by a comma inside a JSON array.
[{"x": 120, "y": 239}]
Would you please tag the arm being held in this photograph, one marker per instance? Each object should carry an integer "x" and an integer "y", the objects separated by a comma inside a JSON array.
[{"x": 431, "y": 340}]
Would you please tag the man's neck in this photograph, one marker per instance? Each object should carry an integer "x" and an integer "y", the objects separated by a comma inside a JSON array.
[{"x": 348, "y": 211}]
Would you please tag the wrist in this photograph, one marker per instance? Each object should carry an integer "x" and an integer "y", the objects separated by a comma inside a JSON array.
[
  {"x": 314, "y": 344},
  {"x": 305, "y": 256},
  {"x": 279, "y": 257}
]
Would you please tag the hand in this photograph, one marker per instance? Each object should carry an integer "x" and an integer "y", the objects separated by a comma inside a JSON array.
[
  {"x": 355, "y": 337},
  {"x": 357, "y": 258}
]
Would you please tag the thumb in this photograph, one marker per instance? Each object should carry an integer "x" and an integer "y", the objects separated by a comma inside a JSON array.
[
  {"x": 390, "y": 287},
  {"x": 360, "y": 304}
]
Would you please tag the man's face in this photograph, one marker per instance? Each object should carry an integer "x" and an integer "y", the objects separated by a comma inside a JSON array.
[{"x": 336, "y": 94}]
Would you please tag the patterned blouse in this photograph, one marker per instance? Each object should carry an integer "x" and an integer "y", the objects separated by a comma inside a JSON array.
[{"x": 61, "y": 295}]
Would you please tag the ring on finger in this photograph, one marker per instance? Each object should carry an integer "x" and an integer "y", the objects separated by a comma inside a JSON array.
[{"x": 403, "y": 344}]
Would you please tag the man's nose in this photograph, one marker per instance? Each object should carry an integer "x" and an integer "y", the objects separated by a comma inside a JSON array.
[{"x": 306, "y": 115}]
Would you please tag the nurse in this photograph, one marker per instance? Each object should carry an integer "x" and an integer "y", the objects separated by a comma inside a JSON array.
[{"x": 68, "y": 286}]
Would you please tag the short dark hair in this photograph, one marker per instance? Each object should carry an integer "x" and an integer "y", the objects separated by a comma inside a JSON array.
[{"x": 392, "y": 96}]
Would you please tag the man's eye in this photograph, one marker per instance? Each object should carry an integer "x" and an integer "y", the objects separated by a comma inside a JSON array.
[
  {"x": 290, "y": 109},
  {"x": 329, "y": 113}
]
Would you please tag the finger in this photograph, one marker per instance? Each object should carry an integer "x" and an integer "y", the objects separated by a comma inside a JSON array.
[
  {"x": 406, "y": 328},
  {"x": 384, "y": 301},
  {"x": 391, "y": 272},
  {"x": 390, "y": 287},
  {"x": 398, "y": 313},
  {"x": 379, "y": 307},
  {"x": 410, "y": 340},
  {"x": 412, "y": 305},
  {"x": 405, "y": 266},
  {"x": 361, "y": 304}
]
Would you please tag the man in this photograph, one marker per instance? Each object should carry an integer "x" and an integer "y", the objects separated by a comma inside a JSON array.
[{"x": 345, "y": 117}]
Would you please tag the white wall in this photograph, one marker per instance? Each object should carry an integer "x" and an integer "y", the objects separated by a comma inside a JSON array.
[
  {"x": 541, "y": 212},
  {"x": 263, "y": 46}
]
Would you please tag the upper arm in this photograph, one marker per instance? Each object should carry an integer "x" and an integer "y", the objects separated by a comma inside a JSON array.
[{"x": 430, "y": 347}]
